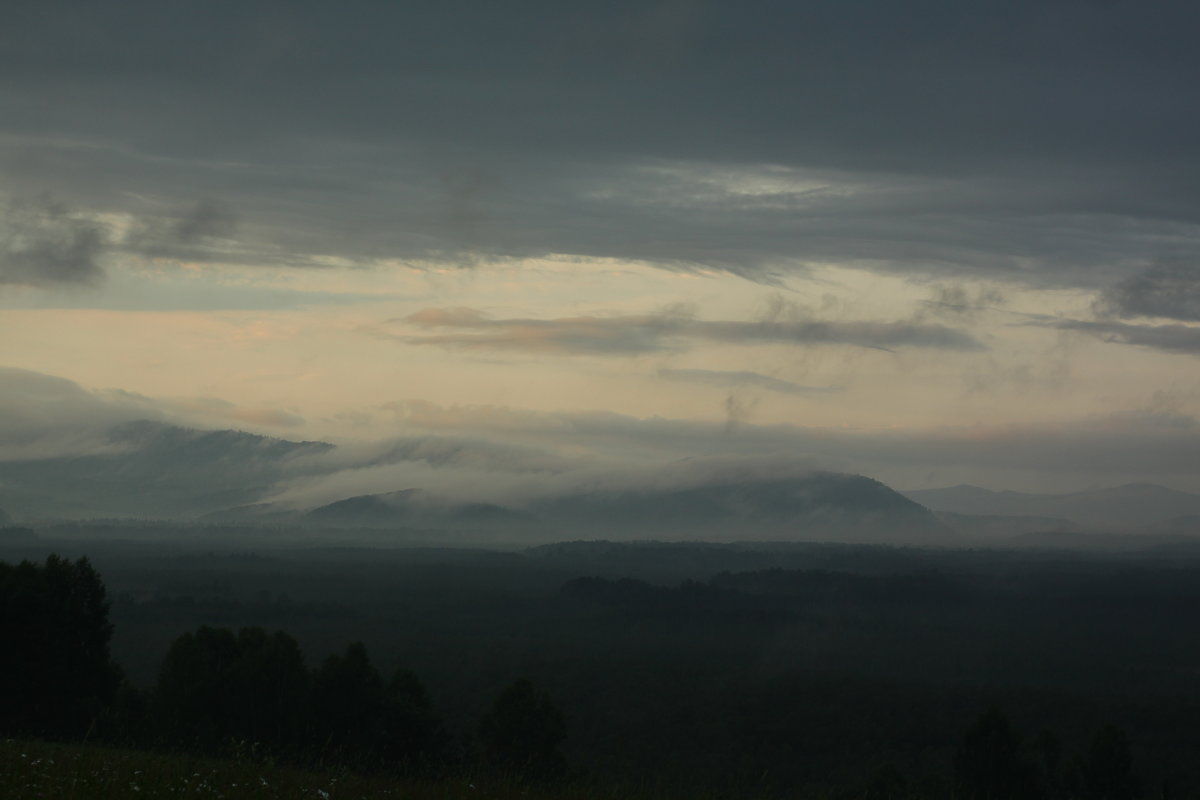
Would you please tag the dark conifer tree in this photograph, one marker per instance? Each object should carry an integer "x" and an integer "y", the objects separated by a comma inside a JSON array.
[
  {"x": 415, "y": 737},
  {"x": 216, "y": 689},
  {"x": 348, "y": 707},
  {"x": 359, "y": 720},
  {"x": 522, "y": 731},
  {"x": 1105, "y": 772},
  {"x": 990, "y": 765},
  {"x": 56, "y": 674}
]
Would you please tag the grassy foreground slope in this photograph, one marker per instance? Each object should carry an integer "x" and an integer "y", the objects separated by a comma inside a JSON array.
[{"x": 31, "y": 770}]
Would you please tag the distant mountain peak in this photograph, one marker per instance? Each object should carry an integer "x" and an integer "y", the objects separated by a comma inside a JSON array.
[{"x": 157, "y": 470}]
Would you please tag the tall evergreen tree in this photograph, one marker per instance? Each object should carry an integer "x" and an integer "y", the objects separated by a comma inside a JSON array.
[
  {"x": 990, "y": 765},
  {"x": 216, "y": 687},
  {"x": 358, "y": 719},
  {"x": 522, "y": 731},
  {"x": 1105, "y": 772},
  {"x": 56, "y": 674},
  {"x": 348, "y": 701}
]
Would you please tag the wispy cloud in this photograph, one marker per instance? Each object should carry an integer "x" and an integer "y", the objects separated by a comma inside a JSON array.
[
  {"x": 198, "y": 233},
  {"x": 1168, "y": 338},
  {"x": 637, "y": 334},
  {"x": 741, "y": 378}
]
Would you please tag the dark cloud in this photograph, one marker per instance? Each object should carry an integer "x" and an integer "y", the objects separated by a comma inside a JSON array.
[
  {"x": 197, "y": 234},
  {"x": 1168, "y": 338},
  {"x": 741, "y": 378},
  {"x": 43, "y": 243},
  {"x": 959, "y": 82},
  {"x": 209, "y": 219},
  {"x": 1169, "y": 289},
  {"x": 955, "y": 300},
  {"x": 1046, "y": 142},
  {"x": 635, "y": 334}
]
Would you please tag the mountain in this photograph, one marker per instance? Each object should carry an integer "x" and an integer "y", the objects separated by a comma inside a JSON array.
[
  {"x": 822, "y": 506},
  {"x": 1132, "y": 506},
  {"x": 158, "y": 471},
  {"x": 5, "y": 519},
  {"x": 412, "y": 508},
  {"x": 151, "y": 469}
]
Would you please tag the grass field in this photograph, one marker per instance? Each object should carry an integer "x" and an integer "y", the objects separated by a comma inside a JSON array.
[{"x": 30, "y": 770}]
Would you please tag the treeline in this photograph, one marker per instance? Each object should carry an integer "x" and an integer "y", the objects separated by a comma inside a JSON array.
[{"x": 249, "y": 692}]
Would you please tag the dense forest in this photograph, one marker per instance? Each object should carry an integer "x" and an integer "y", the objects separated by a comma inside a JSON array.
[{"x": 751, "y": 669}]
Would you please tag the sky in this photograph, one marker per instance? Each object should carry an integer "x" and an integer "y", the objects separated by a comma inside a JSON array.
[{"x": 935, "y": 242}]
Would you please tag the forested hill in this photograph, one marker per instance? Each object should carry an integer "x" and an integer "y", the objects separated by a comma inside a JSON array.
[{"x": 150, "y": 469}]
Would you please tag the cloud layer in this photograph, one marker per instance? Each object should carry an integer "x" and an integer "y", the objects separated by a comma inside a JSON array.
[
  {"x": 499, "y": 454},
  {"x": 978, "y": 210},
  {"x": 1168, "y": 338},
  {"x": 1050, "y": 143}
]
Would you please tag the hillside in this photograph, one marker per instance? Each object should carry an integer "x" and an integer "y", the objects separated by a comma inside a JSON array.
[
  {"x": 414, "y": 508},
  {"x": 151, "y": 469},
  {"x": 820, "y": 506}
]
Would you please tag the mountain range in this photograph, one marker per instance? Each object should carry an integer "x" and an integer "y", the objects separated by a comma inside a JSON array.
[
  {"x": 158, "y": 471},
  {"x": 827, "y": 506},
  {"x": 152, "y": 470}
]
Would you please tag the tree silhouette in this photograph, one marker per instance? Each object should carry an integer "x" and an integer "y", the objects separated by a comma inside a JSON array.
[
  {"x": 56, "y": 674},
  {"x": 522, "y": 732},
  {"x": 215, "y": 687},
  {"x": 886, "y": 783},
  {"x": 1105, "y": 772},
  {"x": 348, "y": 701},
  {"x": 1048, "y": 750},
  {"x": 415, "y": 737},
  {"x": 357, "y": 719},
  {"x": 989, "y": 764}
]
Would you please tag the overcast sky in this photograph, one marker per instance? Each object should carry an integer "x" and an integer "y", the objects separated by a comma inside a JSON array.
[{"x": 932, "y": 242}]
